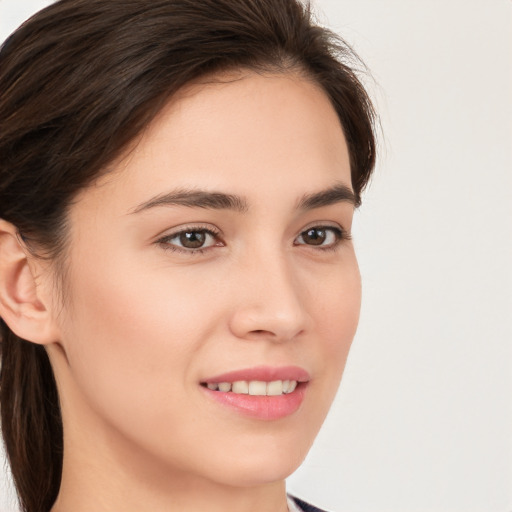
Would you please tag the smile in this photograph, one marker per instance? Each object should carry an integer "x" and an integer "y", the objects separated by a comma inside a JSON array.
[
  {"x": 255, "y": 387},
  {"x": 262, "y": 392}
]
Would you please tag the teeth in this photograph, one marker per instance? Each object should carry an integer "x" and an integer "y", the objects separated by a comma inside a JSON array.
[
  {"x": 255, "y": 387},
  {"x": 275, "y": 388},
  {"x": 241, "y": 387},
  {"x": 225, "y": 386}
]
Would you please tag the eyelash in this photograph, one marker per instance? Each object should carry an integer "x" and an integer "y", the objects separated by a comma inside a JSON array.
[
  {"x": 164, "y": 242},
  {"x": 340, "y": 234}
]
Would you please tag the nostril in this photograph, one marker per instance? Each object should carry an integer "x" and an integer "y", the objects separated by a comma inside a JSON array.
[{"x": 261, "y": 333}]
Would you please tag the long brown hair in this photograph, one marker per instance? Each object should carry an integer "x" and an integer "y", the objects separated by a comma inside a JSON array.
[{"x": 78, "y": 82}]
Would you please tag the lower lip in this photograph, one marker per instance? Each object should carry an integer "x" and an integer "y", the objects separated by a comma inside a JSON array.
[{"x": 261, "y": 407}]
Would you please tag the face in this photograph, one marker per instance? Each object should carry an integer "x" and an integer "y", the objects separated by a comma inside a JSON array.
[{"x": 213, "y": 260}]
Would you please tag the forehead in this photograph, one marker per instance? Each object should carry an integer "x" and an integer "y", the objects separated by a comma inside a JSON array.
[{"x": 237, "y": 131}]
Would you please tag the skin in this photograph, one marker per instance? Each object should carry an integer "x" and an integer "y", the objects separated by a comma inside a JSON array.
[{"x": 143, "y": 325}]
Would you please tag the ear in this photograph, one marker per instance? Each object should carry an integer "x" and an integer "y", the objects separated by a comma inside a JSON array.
[{"x": 24, "y": 306}]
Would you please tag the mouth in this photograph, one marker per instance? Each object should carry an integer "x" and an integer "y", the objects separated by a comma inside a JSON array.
[{"x": 262, "y": 392}]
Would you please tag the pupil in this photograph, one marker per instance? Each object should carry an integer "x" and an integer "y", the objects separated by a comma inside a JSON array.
[
  {"x": 192, "y": 239},
  {"x": 314, "y": 236}
]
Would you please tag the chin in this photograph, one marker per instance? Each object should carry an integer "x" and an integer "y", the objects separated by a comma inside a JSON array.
[
  {"x": 263, "y": 464},
  {"x": 271, "y": 472}
]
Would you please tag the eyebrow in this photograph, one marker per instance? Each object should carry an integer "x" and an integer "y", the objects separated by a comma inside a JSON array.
[
  {"x": 196, "y": 199},
  {"x": 193, "y": 198},
  {"x": 337, "y": 194}
]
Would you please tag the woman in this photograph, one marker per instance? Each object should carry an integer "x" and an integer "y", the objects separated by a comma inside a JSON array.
[{"x": 178, "y": 286}]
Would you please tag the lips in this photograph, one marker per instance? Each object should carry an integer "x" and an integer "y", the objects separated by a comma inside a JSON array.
[
  {"x": 267, "y": 393},
  {"x": 262, "y": 373}
]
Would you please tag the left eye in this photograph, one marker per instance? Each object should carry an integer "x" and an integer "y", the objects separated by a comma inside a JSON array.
[
  {"x": 191, "y": 239},
  {"x": 320, "y": 236}
]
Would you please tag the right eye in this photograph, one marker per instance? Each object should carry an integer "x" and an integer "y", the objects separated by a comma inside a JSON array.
[{"x": 190, "y": 240}]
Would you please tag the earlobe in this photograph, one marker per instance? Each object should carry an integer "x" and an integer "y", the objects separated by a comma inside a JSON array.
[{"x": 21, "y": 305}]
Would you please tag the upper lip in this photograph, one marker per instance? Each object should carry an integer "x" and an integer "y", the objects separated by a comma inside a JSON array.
[{"x": 262, "y": 373}]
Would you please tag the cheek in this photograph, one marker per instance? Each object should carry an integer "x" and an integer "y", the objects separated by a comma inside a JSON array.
[
  {"x": 335, "y": 304},
  {"x": 335, "y": 310},
  {"x": 131, "y": 339},
  {"x": 342, "y": 310}
]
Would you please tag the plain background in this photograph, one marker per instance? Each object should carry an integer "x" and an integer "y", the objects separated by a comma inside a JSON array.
[{"x": 423, "y": 419}]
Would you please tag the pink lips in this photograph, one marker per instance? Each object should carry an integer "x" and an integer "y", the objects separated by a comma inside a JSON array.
[
  {"x": 261, "y": 407},
  {"x": 266, "y": 373}
]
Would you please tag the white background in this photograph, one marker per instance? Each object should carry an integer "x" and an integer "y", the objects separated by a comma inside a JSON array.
[{"x": 423, "y": 420}]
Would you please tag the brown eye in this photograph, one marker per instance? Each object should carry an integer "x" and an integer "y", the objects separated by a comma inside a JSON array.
[
  {"x": 314, "y": 236},
  {"x": 320, "y": 236},
  {"x": 192, "y": 239}
]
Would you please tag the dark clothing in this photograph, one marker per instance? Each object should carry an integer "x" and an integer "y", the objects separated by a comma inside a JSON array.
[{"x": 305, "y": 507}]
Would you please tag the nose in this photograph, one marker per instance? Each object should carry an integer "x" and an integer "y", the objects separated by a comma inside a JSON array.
[{"x": 270, "y": 303}]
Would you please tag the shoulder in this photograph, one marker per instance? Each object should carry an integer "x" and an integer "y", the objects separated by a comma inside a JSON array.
[{"x": 301, "y": 506}]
